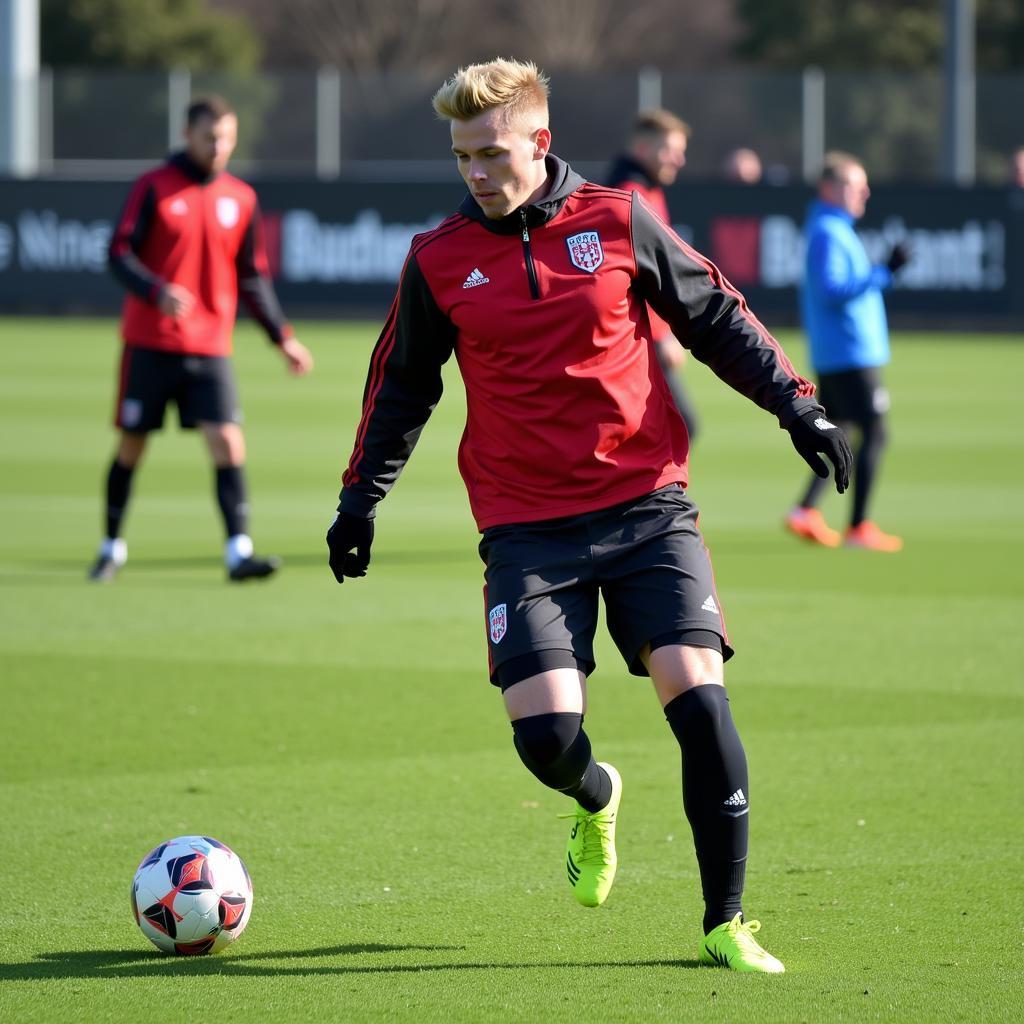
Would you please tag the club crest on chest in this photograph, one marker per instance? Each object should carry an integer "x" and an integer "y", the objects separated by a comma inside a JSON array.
[
  {"x": 227, "y": 211},
  {"x": 585, "y": 250}
]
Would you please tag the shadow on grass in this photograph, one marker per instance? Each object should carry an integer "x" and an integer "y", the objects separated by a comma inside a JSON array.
[
  {"x": 134, "y": 963},
  {"x": 26, "y": 571},
  {"x": 49, "y": 578}
]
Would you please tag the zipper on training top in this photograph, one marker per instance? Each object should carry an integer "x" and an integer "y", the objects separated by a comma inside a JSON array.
[{"x": 531, "y": 270}]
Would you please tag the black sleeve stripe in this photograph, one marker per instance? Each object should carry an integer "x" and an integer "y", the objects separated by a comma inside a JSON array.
[
  {"x": 128, "y": 237},
  {"x": 374, "y": 383},
  {"x": 133, "y": 217}
]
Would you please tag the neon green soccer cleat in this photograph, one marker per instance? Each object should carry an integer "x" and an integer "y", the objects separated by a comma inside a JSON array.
[
  {"x": 733, "y": 945},
  {"x": 590, "y": 859}
]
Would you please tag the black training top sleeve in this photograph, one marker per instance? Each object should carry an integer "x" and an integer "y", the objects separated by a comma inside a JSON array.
[
  {"x": 126, "y": 242},
  {"x": 711, "y": 318},
  {"x": 402, "y": 388},
  {"x": 254, "y": 283}
]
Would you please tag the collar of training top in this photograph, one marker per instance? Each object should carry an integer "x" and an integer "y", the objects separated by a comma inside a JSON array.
[
  {"x": 628, "y": 168},
  {"x": 564, "y": 181},
  {"x": 190, "y": 168},
  {"x": 820, "y": 208}
]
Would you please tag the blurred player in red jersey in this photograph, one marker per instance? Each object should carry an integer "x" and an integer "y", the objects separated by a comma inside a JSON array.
[
  {"x": 190, "y": 242},
  {"x": 575, "y": 460},
  {"x": 655, "y": 155}
]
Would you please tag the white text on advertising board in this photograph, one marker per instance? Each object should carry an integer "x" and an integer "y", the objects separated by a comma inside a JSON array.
[
  {"x": 971, "y": 257},
  {"x": 45, "y": 242},
  {"x": 365, "y": 251}
]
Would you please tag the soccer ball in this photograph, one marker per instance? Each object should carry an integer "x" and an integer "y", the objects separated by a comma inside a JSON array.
[{"x": 191, "y": 896}]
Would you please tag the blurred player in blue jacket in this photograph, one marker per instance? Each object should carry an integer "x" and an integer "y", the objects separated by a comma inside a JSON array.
[{"x": 844, "y": 317}]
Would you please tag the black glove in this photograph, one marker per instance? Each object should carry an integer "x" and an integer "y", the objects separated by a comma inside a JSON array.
[
  {"x": 813, "y": 433},
  {"x": 345, "y": 533},
  {"x": 899, "y": 255}
]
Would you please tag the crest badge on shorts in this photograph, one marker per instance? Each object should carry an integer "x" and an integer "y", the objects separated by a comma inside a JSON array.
[
  {"x": 497, "y": 619},
  {"x": 131, "y": 412},
  {"x": 227, "y": 211},
  {"x": 585, "y": 250}
]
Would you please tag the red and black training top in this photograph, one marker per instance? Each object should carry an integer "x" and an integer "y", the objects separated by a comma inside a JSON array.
[
  {"x": 568, "y": 410},
  {"x": 203, "y": 232}
]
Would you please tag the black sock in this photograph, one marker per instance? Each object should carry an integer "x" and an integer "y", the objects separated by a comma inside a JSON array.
[
  {"x": 715, "y": 796},
  {"x": 119, "y": 486},
  {"x": 556, "y": 749},
  {"x": 231, "y": 497},
  {"x": 812, "y": 496},
  {"x": 865, "y": 467}
]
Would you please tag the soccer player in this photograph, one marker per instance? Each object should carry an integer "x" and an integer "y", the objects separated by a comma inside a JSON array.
[
  {"x": 575, "y": 460},
  {"x": 655, "y": 155},
  {"x": 844, "y": 317},
  {"x": 188, "y": 243}
]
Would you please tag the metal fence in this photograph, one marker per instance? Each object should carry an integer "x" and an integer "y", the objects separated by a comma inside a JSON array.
[{"x": 91, "y": 123}]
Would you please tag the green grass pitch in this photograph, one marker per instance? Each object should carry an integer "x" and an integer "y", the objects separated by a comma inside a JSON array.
[{"x": 344, "y": 740}]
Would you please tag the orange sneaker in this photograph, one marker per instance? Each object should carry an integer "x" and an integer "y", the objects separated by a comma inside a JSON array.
[
  {"x": 867, "y": 535},
  {"x": 810, "y": 524}
]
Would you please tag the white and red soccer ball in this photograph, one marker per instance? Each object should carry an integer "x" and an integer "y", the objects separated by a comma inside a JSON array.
[{"x": 191, "y": 896}]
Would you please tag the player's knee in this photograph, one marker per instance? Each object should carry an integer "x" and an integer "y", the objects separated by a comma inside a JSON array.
[
  {"x": 676, "y": 664},
  {"x": 705, "y": 710},
  {"x": 226, "y": 443},
  {"x": 554, "y": 747},
  {"x": 130, "y": 448},
  {"x": 545, "y": 739},
  {"x": 712, "y": 704}
]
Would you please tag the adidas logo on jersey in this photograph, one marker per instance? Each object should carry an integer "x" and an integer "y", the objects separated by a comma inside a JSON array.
[
  {"x": 736, "y": 800},
  {"x": 475, "y": 279},
  {"x": 709, "y": 605}
]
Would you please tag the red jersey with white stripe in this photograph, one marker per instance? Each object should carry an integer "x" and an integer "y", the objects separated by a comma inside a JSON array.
[
  {"x": 568, "y": 410},
  {"x": 202, "y": 232}
]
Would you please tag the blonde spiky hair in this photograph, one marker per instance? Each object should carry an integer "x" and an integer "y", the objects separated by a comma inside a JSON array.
[{"x": 520, "y": 89}]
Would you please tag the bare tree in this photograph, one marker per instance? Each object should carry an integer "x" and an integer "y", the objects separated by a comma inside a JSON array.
[
  {"x": 570, "y": 34},
  {"x": 367, "y": 37},
  {"x": 591, "y": 35}
]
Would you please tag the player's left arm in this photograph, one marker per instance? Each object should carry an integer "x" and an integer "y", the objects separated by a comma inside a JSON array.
[
  {"x": 256, "y": 290},
  {"x": 711, "y": 319},
  {"x": 127, "y": 240}
]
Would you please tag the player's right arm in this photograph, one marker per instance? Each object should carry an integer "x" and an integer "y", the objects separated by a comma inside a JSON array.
[
  {"x": 403, "y": 386},
  {"x": 126, "y": 243}
]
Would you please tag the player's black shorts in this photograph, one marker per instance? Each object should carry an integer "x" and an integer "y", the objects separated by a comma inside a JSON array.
[
  {"x": 203, "y": 387},
  {"x": 645, "y": 557},
  {"x": 854, "y": 396}
]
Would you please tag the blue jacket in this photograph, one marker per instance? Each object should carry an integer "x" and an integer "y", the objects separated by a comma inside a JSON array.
[{"x": 841, "y": 298}]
